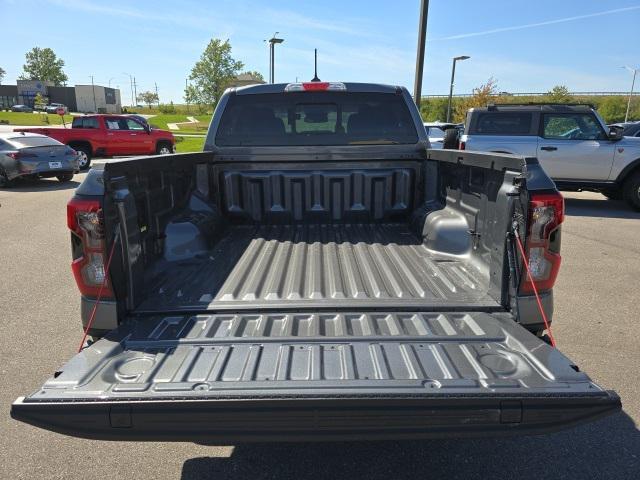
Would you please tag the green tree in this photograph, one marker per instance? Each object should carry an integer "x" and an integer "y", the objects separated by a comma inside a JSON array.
[
  {"x": 483, "y": 95},
  {"x": 148, "y": 97},
  {"x": 559, "y": 94},
  {"x": 215, "y": 70},
  {"x": 613, "y": 109},
  {"x": 40, "y": 101},
  {"x": 2, "y": 74},
  {"x": 254, "y": 74},
  {"x": 43, "y": 64}
]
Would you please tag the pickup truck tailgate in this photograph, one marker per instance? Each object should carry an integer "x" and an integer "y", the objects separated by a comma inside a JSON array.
[{"x": 315, "y": 376}]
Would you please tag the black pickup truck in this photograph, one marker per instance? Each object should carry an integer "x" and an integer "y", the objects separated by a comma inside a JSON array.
[{"x": 317, "y": 273}]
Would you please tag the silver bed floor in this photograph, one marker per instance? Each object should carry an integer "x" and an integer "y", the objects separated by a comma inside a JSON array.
[{"x": 316, "y": 265}]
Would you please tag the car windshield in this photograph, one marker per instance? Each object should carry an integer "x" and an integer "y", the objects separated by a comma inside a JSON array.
[
  {"x": 316, "y": 118},
  {"x": 26, "y": 142}
]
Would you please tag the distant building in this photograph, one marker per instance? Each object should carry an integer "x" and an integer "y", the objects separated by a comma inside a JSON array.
[{"x": 80, "y": 98}]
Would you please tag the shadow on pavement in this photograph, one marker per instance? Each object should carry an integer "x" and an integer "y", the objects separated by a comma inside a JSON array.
[
  {"x": 583, "y": 207},
  {"x": 609, "y": 448},
  {"x": 39, "y": 185}
]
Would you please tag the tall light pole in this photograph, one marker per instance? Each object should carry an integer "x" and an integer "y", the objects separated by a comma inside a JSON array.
[
  {"x": 93, "y": 88},
  {"x": 130, "y": 84},
  {"x": 272, "y": 43},
  {"x": 633, "y": 83},
  {"x": 112, "y": 78},
  {"x": 453, "y": 76},
  {"x": 422, "y": 38}
]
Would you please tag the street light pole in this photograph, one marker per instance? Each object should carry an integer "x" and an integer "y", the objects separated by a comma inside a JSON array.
[
  {"x": 93, "y": 88},
  {"x": 130, "y": 85},
  {"x": 633, "y": 83},
  {"x": 422, "y": 38},
  {"x": 272, "y": 60},
  {"x": 453, "y": 76}
]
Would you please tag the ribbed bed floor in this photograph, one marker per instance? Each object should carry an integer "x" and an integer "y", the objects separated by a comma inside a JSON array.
[{"x": 316, "y": 265}]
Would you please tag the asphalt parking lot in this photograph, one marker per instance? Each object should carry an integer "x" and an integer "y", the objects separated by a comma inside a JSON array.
[{"x": 597, "y": 324}]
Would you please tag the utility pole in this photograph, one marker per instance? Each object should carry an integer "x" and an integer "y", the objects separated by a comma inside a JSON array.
[
  {"x": 186, "y": 96},
  {"x": 633, "y": 84},
  {"x": 422, "y": 38},
  {"x": 135, "y": 90},
  {"x": 95, "y": 107},
  {"x": 272, "y": 60},
  {"x": 453, "y": 76},
  {"x": 157, "y": 97}
]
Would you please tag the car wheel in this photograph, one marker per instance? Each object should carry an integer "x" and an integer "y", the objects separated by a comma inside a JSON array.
[
  {"x": 451, "y": 137},
  {"x": 164, "y": 149},
  {"x": 65, "y": 177},
  {"x": 631, "y": 191},
  {"x": 84, "y": 157}
]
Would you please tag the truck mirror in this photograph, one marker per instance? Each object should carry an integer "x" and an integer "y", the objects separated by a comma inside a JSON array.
[{"x": 615, "y": 133}]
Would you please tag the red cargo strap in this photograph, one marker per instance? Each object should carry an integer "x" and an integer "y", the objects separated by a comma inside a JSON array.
[
  {"x": 547, "y": 325},
  {"x": 102, "y": 285}
]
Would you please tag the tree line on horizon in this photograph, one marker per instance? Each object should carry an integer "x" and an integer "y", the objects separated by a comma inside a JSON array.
[
  {"x": 216, "y": 70},
  {"x": 612, "y": 108}
]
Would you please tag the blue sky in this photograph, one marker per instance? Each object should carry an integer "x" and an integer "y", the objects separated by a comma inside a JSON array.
[{"x": 526, "y": 45}]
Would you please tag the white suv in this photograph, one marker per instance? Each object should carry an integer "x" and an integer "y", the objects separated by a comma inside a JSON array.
[{"x": 571, "y": 141}]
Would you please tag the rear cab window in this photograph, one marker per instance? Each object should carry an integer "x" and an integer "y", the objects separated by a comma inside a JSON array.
[{"x": 316, "y": 118}]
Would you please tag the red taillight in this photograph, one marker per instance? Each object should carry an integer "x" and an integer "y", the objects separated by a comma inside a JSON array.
[
  {"x": 20, "y": 155},
  {"x": 86, "y": 222},
  {"x": 461, "y": 145},
  {"x": 315, "y": 87},
  {"x": 546, "y": 213}
]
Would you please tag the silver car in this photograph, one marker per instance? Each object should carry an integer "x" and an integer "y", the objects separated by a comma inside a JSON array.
[
  {"x": 31, "y": 155},
  {"x": 53, "y": 108}
]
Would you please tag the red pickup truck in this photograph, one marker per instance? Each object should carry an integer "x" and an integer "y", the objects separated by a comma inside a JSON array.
[{"x": 110, "y": 135}]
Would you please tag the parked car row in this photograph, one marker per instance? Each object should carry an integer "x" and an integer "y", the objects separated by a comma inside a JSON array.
[{"x": 51, "y": 108}]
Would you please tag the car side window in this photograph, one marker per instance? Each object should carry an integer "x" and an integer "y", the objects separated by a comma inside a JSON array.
[
  {"x": 133, "y": 125},
  {"x": 572, "y": 126},
  {"x": 112, "y": 123},
  {"x": 504, "y": 123},
  {"x": 85, "y": 122},
  {"x": 4, "y": 145},
  {"x": 115, "y": 123}
]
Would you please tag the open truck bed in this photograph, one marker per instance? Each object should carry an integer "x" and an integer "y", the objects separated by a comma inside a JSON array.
[
  {"x": 281, "y": 288},
  {"x": 316, "y": 266},
  {"x": 316, "y": 331}
]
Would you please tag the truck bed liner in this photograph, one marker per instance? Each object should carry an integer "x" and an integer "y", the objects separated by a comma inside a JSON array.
[{"x": 316, "y": 265}]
